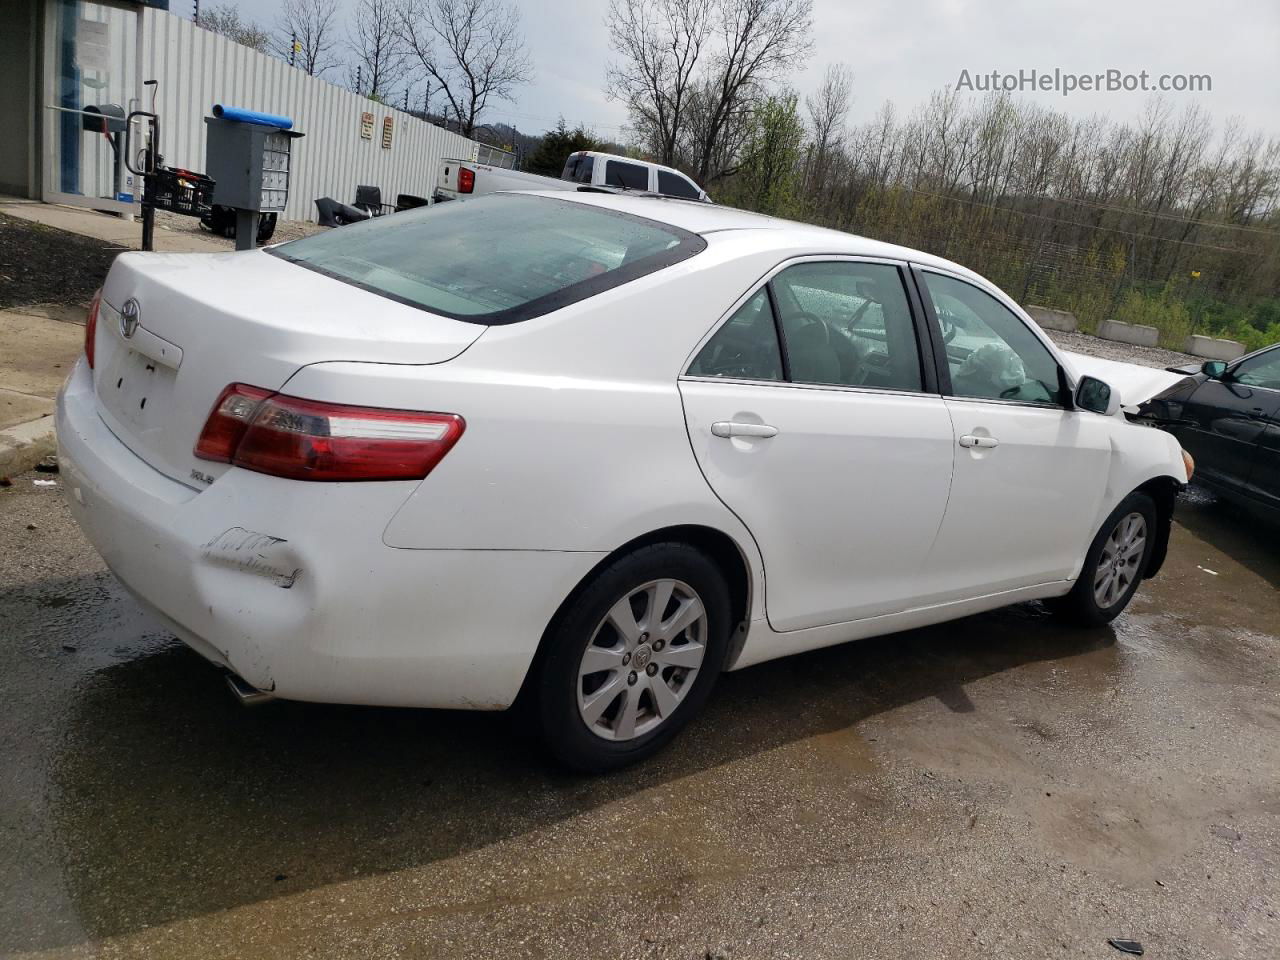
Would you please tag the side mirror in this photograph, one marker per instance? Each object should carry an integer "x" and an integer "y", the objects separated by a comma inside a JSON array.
[
  {"x": 1214, "y": 369},
  {"x": 1097, "y": 397}
]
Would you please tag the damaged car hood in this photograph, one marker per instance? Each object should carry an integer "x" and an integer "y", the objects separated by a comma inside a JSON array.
[{"x": 1135, "y": 383}]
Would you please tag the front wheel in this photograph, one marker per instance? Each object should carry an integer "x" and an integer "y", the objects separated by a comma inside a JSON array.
[
  {"x": 1114, "y": 565},
  {"x": 634, "y": 657}
]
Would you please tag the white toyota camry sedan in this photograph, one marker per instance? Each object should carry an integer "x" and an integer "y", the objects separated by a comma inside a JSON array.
[{"x": 586, "y": 452}]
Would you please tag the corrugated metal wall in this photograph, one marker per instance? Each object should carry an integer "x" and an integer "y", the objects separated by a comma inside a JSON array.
[{"x": 197, "y": 68}]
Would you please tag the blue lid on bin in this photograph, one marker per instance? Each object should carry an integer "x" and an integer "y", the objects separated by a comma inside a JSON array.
[{"x": 251, "y": 116}]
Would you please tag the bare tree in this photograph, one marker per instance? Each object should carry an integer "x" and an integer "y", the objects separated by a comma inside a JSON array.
[
  {"x": 828, "y": 110},
  {"x": 313, "y": 26},
  {"x": 379, "y": 50},
  {"x": 472, "y": 49},
  {"x": 759, "y": 39},
  {"x": 659, "y": 43},
  {"x": 693, "y": 72},
  {"x": 225, "y": 20},
  {"x": 728, "y": 145}
]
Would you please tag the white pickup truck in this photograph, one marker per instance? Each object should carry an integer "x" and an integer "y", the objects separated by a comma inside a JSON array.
[{"x": 463, "y": 179}]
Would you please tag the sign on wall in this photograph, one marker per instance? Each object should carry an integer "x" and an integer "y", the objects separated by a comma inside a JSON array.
[
  {"x": 366, "y": 126},
  {"x": 386, "y": 133},
  {"x": 93, "y": 45}
]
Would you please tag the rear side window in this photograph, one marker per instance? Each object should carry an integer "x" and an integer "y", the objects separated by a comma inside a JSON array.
[
  {"x": 840, "y": 323},
  {"x": 629, "y": 175},
  {"x": 496, "y": 259},
  {"x": 578, "y": 168},
  {"x": 745, "y": 347},
  {"x": 848, "y": 323},
  {"x": 674, "y": 185}
]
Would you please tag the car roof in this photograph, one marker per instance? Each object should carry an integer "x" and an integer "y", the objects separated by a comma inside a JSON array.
[{"x": 706, "y": 219}]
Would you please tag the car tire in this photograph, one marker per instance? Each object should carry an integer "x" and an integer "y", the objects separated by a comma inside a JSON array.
[
  {"x": 567, "y": 691},
  {"x": 1114, "y": 565}
]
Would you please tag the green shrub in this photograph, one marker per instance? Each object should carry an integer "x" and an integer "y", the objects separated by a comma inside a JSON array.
[
  {"x": 1246, "y": 333},
  {"x": 1163, "y": 311}
]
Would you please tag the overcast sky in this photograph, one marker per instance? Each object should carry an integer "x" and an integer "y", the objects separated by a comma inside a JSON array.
[{"x": 901, "y": 51}]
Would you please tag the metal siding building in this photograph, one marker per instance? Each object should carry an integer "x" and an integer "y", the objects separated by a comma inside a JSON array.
[
  {"x": 197, "y": 68},
  {"x": 71, "y": 54}
]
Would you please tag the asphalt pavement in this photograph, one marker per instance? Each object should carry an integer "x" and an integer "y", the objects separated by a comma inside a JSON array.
[{"x": 997, "y": 787}]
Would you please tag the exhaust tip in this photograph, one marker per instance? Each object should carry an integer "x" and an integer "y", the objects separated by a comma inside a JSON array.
[{"x": 249, "y": 696}]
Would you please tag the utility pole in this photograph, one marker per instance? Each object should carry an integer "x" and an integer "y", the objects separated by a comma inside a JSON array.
[
  {"x": 359, "y": 79},
  {"x": 196, "y": 15},
  {"x": 293, "y": 47}
]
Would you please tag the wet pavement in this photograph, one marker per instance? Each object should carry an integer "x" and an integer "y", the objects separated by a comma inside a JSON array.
[{"x": 997, "y": 787}]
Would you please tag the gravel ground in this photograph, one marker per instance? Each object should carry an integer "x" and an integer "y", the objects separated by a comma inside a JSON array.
[
  {"x": 1125, "y": 352},
  {"x": 39, "y": 264},
  {"x": 998, "y": 787}
]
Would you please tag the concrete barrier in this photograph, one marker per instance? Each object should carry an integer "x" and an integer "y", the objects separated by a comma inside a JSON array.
[
  {"x": 1051, "y": 319},
  {"x": 1136, "y": 333},
  {"x": 1213, "y": 349}
]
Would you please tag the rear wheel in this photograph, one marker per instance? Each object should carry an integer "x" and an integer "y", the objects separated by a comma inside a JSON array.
[
  {"x": 1114, "y": 565},
  {"x": 634, "y": 657}
]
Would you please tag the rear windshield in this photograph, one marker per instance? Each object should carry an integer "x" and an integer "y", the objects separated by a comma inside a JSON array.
[{"x": 495, "y": 259}]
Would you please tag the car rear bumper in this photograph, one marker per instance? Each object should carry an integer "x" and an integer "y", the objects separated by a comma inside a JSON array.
[{"x": 289, "y": 585}]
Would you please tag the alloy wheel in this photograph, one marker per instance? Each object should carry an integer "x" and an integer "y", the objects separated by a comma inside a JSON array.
[
  {"x": 1119, "y": 562},
  {"x": 642, "y": 660}
]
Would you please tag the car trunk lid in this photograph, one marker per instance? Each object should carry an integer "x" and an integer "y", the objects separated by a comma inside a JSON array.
[{"x": 197, "y": 322}]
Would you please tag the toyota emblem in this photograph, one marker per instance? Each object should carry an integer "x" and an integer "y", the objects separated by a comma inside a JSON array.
[{"x": 129, "y": 318}]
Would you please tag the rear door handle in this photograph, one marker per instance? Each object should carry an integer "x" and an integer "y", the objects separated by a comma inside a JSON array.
[
  {"x": 969, "y": 440},
  {"x": 732, "y": 428}
]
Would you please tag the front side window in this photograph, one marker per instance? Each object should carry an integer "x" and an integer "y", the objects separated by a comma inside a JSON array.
[
  {"x": 495, "y": 259},
  {"x": 629, "y": 175},
  {"x": 674, "y": 185},
  {"x": 991, "y": 353},
  {"x": 848, "y": 324},
  {"x": 1260, "y": 371},
  {"x": 745, "y": 347}
]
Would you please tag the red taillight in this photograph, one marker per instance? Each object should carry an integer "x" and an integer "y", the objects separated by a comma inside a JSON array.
[
  {"x": 91, "y": 326},
  {"x": 466, "y": 180},
  {"x": 309, "y": 440},
  {"x": 228, "y": 421}
]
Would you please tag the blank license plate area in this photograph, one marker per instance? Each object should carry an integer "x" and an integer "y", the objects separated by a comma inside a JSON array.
[{"x": 136, "y": 392}]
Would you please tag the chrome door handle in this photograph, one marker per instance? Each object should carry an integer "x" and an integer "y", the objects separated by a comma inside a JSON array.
[
  {"x": 732, "y": 428},
  {"x": 969, "y": 440}
]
